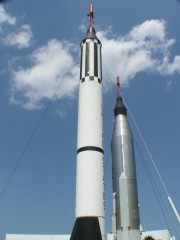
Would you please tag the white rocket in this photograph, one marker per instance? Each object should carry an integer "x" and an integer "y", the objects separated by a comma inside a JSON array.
[
  {"x": 126, "y": 222},
  {"x": 90, "y": 196}
]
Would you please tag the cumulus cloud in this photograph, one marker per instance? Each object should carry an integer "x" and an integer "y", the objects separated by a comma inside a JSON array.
[
  {"x": 48, "y": 72},
  {"x": 173, "y": 67},
  {"x": 146, "y": 48},
  {"x": 22, "y": 38},
  {"x": 6, "y": 18}
]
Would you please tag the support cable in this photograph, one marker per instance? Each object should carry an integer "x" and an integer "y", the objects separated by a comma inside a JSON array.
[
  {"x": 35, "y": 130},
  {"x": 153, "y": 162},
  {"x": 156, "y": 190},
  {"x": 146, "y": 147}
]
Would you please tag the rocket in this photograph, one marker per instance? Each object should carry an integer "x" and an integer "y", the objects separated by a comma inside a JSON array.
[
  {"x": 90, "y": 196},
  {"x": 125, "y": 219}
]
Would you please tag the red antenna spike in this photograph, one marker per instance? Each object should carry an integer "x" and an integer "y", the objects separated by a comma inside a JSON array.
[
  {"x": 118, "y": 85},
  {"x": 91, "y": 15}
]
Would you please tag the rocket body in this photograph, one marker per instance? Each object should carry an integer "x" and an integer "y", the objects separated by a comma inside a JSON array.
[
  {"x": 90, "y": 153},
  {"x": 126, "y": 222},
  {"x": 90, "y": 196}
]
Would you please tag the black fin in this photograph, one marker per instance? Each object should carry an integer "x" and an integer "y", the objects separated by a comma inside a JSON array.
[{"x": 86, "y": 228}]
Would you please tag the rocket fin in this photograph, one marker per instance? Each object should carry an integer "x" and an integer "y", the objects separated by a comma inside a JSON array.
[{"x": 86, "y": 228}]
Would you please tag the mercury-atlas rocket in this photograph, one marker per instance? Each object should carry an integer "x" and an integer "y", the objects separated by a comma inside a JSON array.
[
  {"x": 125, "y": 220},
  {"x": 90, "y": 196}
]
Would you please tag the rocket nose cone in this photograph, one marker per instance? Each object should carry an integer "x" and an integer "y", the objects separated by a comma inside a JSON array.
[
  {"x": 91, "y": 33},
  {"x": 119, "y": 108}
]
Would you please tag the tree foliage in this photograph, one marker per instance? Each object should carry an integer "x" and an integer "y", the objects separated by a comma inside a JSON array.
[{"x": 148, "y": 238}]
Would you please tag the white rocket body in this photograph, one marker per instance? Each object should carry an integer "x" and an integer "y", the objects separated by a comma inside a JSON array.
[
  {"x": 90, "y": 196},
  {"x": 90, "y": 172},
  {"x": 126, "y": 222}
]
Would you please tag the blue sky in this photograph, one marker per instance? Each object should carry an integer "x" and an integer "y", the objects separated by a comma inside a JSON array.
[{"x": 39, "y": 56}]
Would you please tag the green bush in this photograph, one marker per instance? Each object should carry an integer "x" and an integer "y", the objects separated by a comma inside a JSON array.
[{"x": 148, "y": 238}]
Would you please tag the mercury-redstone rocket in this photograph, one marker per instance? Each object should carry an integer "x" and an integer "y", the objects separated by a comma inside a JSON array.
[
  {"x": 90, "y": 196},
  {"x": 125, "y": 220}
]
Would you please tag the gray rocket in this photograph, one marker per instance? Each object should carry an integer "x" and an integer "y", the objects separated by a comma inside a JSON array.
[{"x": 125, "y": 220}]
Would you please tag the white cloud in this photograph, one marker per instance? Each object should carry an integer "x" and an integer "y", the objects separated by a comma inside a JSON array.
[
  {"x": 83, "y": 26},
  {"x": 146, "y": 48},
  {"x": 48, "y": 71},
  {"x": 6, "y": 18},
  {"x": 174, "y": 67},
  {"x": 169, "y": 85},
  {"x": 22, "y": 38},
  {"x": 154, "y": 29}
]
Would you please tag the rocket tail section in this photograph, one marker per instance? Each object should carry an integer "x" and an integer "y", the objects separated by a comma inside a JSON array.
[{"x": 86, "y": 228}]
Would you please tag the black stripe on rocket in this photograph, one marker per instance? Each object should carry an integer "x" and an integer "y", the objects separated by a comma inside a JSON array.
[
  {"x": 100, "y": 66},
  {"x": 81, "y": 62},
  {"x": 89, "y": 51},
  {"x": 90, "y": 148},
  {"x": 87, "y": 62},
  {"x": 95, "y": 60}
]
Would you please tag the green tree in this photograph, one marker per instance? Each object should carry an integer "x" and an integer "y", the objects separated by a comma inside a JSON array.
[{"x": 148, "y": 238}]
